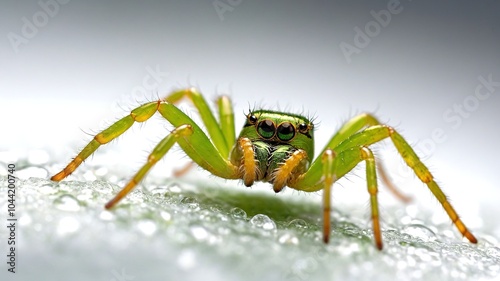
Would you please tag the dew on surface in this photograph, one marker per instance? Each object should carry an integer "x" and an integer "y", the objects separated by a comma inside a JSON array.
[
  {"x": 190, "y": 203},
  {"x": 419, "y": 231},
  {"x": 263, "y": 221},
  {"x": 298, "y": 224},
  {"x": 238, "y": 213},
  {"x": 164, "y": 228}
]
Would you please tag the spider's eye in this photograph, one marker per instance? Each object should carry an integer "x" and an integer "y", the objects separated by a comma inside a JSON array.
[
  {"x": 303, "y": 128},
  {"x": 286, "y": 131},
  {"x": 252, "y": 118},
  {"x": 266, "y": 129}
]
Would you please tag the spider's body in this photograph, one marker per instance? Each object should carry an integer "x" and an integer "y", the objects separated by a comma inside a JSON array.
[
  {"x": 274, "y": 147},
  {"x": 273, "y": 137}
]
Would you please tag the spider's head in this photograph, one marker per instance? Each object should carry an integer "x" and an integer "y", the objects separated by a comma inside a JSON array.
[{"x": 280, "y": 128}]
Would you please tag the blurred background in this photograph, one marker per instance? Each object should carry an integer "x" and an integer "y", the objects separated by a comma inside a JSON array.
[{"x": 69, "y": 68}]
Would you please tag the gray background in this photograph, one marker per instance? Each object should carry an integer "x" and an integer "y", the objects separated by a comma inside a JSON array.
[{"x": 85, "y": 67}]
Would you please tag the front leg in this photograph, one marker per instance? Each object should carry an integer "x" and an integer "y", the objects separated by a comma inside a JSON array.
[
  {"x": 243, "y": 156},
  {"x": 334, "y": 166},
  {"x": 288, "y": 170}
]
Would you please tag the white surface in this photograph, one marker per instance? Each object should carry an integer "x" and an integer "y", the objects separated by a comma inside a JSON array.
[{"x": 219, "y": 231}]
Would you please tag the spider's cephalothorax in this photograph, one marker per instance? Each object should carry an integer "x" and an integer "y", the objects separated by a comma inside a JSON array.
[
  {"x": 276, "y": 147},
  {"x": 269, "y": 143}
]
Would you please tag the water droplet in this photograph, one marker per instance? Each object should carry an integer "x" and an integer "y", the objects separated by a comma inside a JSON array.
[
  {"x": 238, "y": 213},
  {"x": 104, "y": 187},
  {"x": 67, "y": 202},
  {"x": 299, "y": 224},
  {"x": 263, "y": 221},
  {"x": 67, "y": 225},
  {"x": 159, "y": 191},
  {"x": 174, "y": 188},
  {"x": 190, "y": 202},
  {"x": 420, "y": 231},
  {"x": 147, "y": 227}
]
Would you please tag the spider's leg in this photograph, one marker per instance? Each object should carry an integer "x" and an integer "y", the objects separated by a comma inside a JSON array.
[
  {"x": 188, "y": 135},
  {"x": 388, "y": 183},
  {"x": 140, "y": 114},
  {"x": 192, "y": 140},
  {"x": 314, "y": 178},
  {"x": 287, "y": 171},
  {"x": 379, "y": 132},
  {"x": 371, "y": 178},
  {"x": 226, "y": 119},
  {"x": 354, "y": 125},
  {"x": 158, "y": 152},
  {"x": 349, "y": 128},
  {"x": 220, "y": 134},
  {"x": 335, "y": 166},
  {"x": 248, "y": 169},
  {"x": 197, "y": 145},
  {"x": 327, "y": 159}
]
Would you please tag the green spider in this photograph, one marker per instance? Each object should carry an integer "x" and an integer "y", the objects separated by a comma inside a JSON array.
[{"x": 274, "y": 147}]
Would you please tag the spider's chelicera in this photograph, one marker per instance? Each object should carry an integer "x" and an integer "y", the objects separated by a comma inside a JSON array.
[{"x": 274, "y": 147}]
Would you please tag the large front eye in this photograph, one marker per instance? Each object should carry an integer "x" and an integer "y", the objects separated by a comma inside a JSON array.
[
  {"x": 266, "y": 129},
  {"x": 286, "y": 131}
]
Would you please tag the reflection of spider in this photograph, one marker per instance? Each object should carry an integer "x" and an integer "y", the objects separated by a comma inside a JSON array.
[{"x": 274, "y": 147}]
